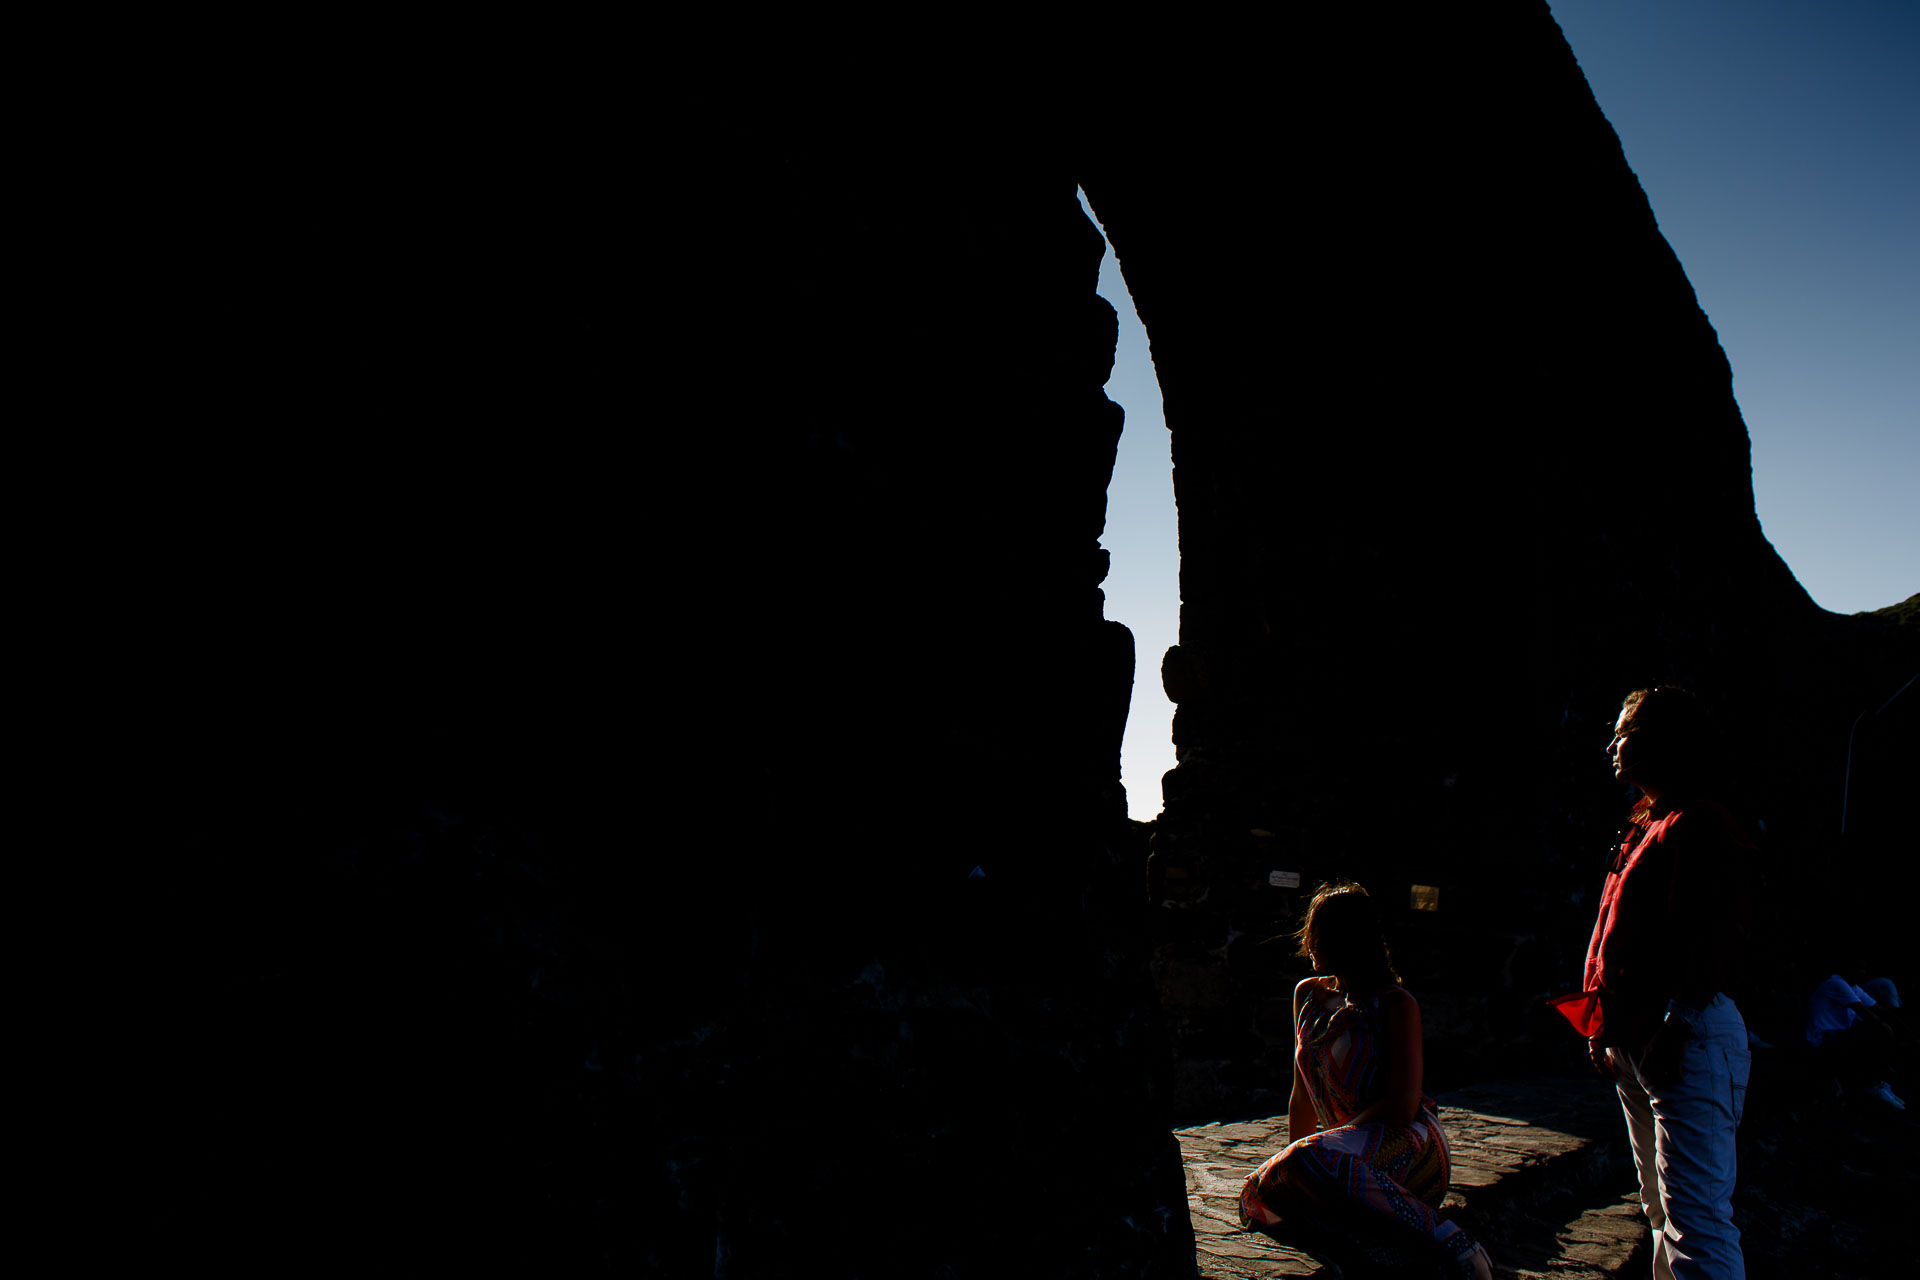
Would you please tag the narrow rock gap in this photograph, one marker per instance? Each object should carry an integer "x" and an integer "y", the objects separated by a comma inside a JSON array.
[{"x": 1141, "y": 535}]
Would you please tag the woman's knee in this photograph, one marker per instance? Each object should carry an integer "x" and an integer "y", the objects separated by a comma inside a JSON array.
[
  {"x": 1292, "y": 1162},
  {"x": 1302, "y": 1168}
]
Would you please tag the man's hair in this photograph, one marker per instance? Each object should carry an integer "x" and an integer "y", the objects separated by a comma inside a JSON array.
[{"x": 1676, "y": 742}]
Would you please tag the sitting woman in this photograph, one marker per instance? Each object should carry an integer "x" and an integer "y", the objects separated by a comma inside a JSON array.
[{"x": 1367, "y": 1160}]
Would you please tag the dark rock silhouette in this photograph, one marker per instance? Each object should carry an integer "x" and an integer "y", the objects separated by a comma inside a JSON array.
[
  {"x": 604, "y": 584},
  {"x": 1458, "y": 464}
]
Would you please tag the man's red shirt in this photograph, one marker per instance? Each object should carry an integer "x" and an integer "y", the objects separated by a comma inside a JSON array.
[{"x": 1672, "y": 916}]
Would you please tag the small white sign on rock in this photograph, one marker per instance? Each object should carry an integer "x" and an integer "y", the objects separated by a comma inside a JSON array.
[{"x": 1284, "y": 879}]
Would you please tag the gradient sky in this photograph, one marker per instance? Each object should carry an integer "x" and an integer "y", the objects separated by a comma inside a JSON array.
[{"x": 1778, "y": 142}]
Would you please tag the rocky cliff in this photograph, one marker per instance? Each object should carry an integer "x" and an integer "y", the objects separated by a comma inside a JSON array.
[
  {"x": 1458, "y": 464},
  {"x": 622, "y": 739}
]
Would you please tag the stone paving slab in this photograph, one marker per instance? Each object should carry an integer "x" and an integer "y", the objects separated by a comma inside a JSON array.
[
  {"x": 1218, "y": 1158},
  {"x": 1536, "y": 1176},
  {"x": 1599, "y": 1242}
]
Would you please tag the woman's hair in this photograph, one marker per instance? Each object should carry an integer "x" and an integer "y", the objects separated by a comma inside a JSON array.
[
  {"x": 1676, "y": 742},
  {"x": 1341, "y": 933}
]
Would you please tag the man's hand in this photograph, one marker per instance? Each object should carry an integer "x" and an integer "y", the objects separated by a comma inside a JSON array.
[
  {"x": 1666, "y": 1053},
  {"x": 1597, "y": 1054}
]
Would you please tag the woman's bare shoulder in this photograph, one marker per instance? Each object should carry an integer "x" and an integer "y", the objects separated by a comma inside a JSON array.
[{"x": 1315, "y": 987}]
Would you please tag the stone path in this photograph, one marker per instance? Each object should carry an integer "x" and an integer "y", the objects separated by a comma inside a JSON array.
[{"x": 1541, "y": 1175}]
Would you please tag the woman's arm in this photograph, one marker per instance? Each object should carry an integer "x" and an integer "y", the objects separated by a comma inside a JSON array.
[
  {"x": 1399, "y": 1102},
  {"x": 1301, "y": 1119}
]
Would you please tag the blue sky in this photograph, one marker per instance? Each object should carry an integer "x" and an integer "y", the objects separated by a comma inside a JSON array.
[{"x": 1778, "y": 142}]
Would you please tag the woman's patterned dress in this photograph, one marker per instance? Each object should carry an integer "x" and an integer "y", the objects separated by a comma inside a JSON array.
[{"x": 1379, "y": 1185}]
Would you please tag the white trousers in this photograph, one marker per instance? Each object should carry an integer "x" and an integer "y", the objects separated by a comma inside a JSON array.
[{"x": 1683, "y": 1148}]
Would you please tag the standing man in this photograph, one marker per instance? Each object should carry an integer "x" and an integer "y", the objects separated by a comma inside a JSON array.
[{"x": 1664, "y": 955}]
